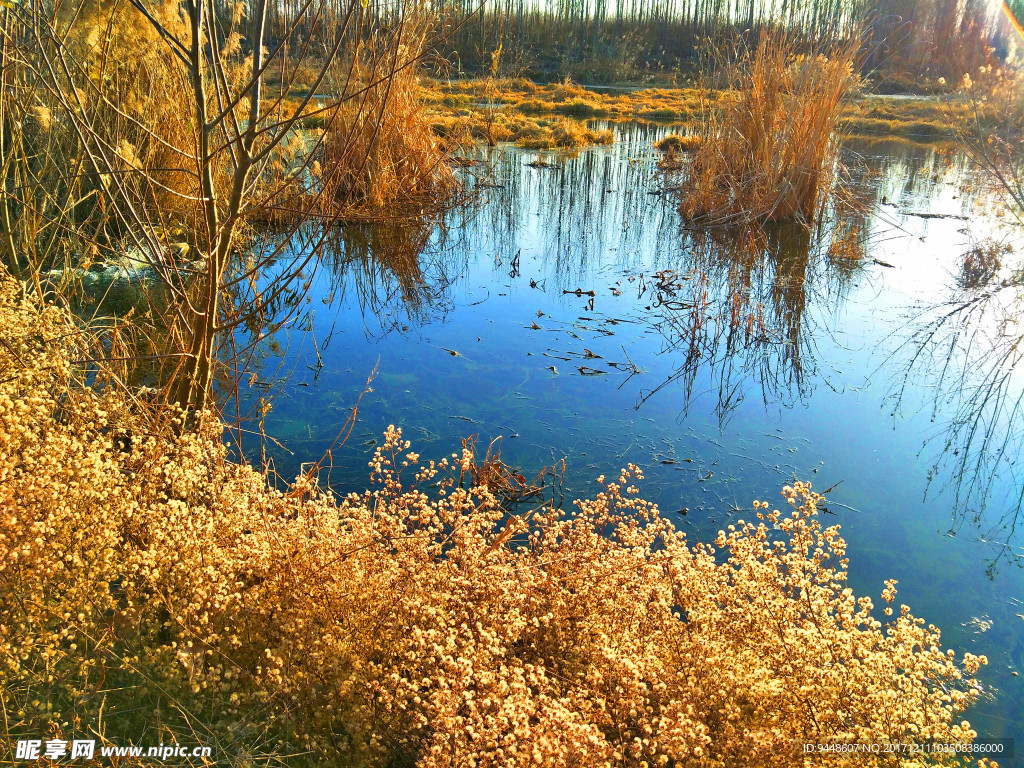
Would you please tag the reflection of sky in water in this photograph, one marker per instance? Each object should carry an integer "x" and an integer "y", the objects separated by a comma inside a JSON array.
[{"x": 737, "y": 415}]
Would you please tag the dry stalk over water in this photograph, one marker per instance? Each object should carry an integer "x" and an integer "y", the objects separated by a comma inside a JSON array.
[{"x": 768, "y": 149}]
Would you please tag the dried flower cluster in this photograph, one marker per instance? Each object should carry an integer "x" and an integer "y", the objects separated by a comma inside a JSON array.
[{"x": 151, "y": 589}]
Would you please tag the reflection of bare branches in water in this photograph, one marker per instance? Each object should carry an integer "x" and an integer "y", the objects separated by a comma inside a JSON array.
[
  {"x": 753, "y": 295},
  {"x": 966, "y": 353},
  {"x": 737, "y": 308},
  {"x": 969, "y": 350},
  {"x": 396, "y": 273}
]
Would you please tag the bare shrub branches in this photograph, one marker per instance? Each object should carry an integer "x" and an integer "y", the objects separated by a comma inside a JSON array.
[{"x": 156, "y": 135}]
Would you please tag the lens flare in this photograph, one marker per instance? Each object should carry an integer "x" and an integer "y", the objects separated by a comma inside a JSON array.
[{"x": 1013, "y": 20}]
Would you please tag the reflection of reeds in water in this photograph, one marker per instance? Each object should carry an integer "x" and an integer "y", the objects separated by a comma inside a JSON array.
[
  {"x": 737, "y": 308},
  {"x": 387, "y": 257},
  {"x": 578, "y": 221},
  {"x": 397, "y": 273},
  {"x": 391, "y": 270}
]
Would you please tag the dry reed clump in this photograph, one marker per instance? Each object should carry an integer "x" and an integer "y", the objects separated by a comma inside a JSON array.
[
  {"x": 676, "y": 143},
  {"x": 567, "y": 90},
  {"x": 152, "y": 590},
  {"x": 111, "y": 139},
  {"x": 112, "y": 129},
  {"x": 566, "y": 134},
  {"x": 380, "y": 153},
  {"x": 531, "y": 133},
  {"x": 768, "y": 152},
  {"x": 672, "y": 148},
  {"x": 141, "y": 100}
]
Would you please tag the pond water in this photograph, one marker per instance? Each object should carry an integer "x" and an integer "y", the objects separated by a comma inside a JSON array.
[{"x": 724, "y": 369}]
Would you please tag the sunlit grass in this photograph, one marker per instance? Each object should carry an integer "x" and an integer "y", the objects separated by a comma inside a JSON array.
[
  {"x": 768, "y": 152},
  {"x": 519, "y": 103},
  {"x": 380, "y": 151}
]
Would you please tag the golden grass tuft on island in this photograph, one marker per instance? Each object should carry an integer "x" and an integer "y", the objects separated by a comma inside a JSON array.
[
  {"x": 676, "y": 143},
  {"x": 768, "y": 152},
  {"x": 937, "y": 118}
]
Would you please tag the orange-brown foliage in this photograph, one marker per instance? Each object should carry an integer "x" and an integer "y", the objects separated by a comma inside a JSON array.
[{"x": 380, "y": 151}]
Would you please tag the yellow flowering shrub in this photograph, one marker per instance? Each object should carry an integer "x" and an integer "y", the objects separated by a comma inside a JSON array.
[{"x": 152, "y": 590}]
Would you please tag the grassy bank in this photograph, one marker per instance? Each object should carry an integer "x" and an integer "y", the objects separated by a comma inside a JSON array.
[
  {"x": 555, "y": 115},
  {"x": 523, "y": 104}
]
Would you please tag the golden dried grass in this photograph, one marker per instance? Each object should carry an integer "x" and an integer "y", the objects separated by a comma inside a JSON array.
[
  {"x": 768, "y": 151},
  {"x": 113, "y": 135},
  {"x": 566, "y": 134},
  {"x": 676, "y": 143},
  {"x": 527, "y": 132},
  {"x": 570, "y": 99},
  {"x": 923, "y": 120},
  {"x": 380, "y": 154}
]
